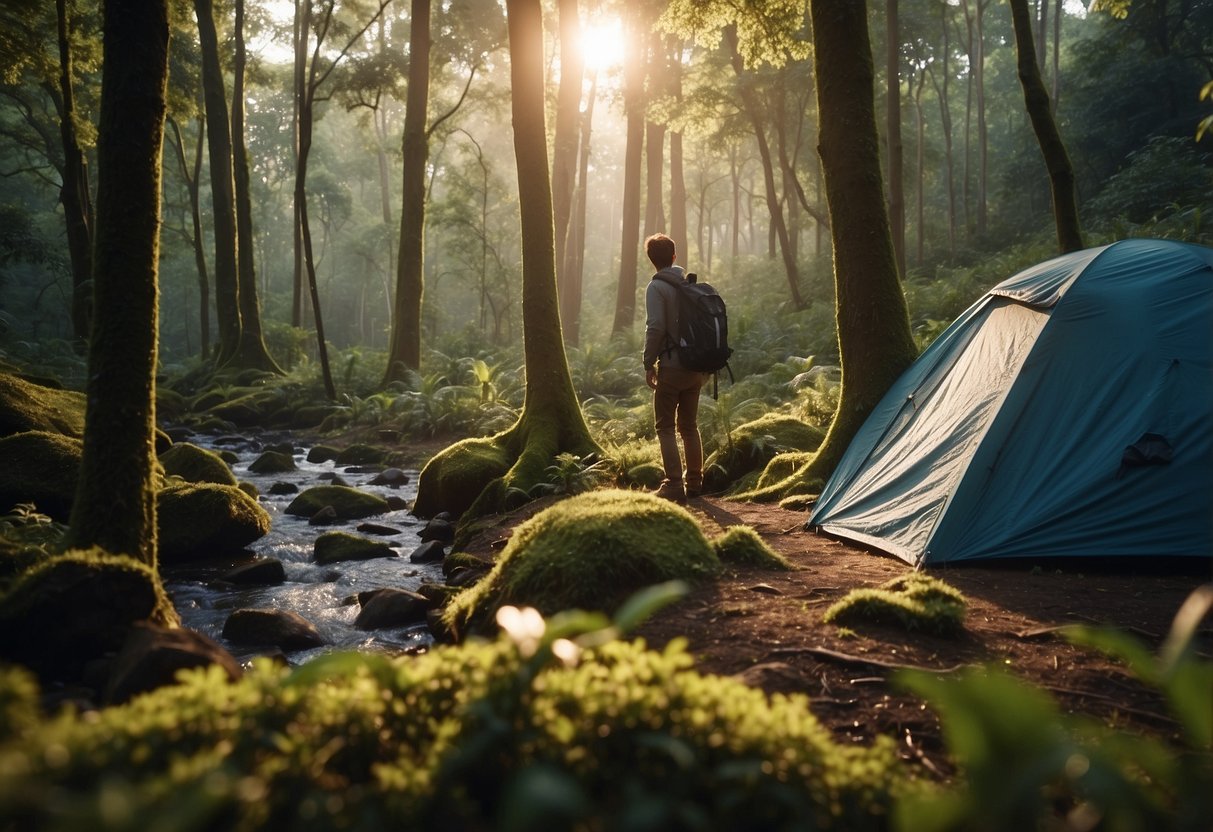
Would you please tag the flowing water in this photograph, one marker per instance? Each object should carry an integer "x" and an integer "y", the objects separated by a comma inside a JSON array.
[{"x": 320, "y": 593}]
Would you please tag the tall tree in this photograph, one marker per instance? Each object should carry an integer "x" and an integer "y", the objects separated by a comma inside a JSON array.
[
  {"x": 633, "y": 104},
  {"x": 574, "y": 249},
  {"x": 897, "y": 194},
  {"x": 115, "y": 505},
  {"x": 974, "y": 12},
  {"x": 74, "y": 192},
  {"x": 874, "y": 338},
  {"x": 678, "y": 188},
  {"x": 1057, "y": 160},
  {"x": 564, "y": 147},
  {"x": 654, "y": 140},
  {"x": 191, "y": 176},
  {"x": 490, "y": 471}
]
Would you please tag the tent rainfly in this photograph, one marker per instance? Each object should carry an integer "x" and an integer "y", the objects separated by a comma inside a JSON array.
[{"x": 1067, "y": 413}]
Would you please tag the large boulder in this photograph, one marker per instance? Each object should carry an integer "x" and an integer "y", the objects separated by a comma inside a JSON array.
[
  {"x": 334, "y": 547},
  {"x": 75, "y": 607},
  {"x": 752, "y": 445},
  {"x": 392, "y": 608},
  {"x": 283, "y": 629},
  {"x": 199, "y": 520},
  {"x": 273, "y": 462},
  {"x": 40, "y": 468},
  {"x": 152, "y": 656},
  {"x": 25, "y": 406},
  {"x": 453, "y": 479},
  {"x": 360, "y": 454},
  {"x": 194, "y": 464},
  {"x": 589, "y": 552},
  {"x": 348, "y": 503}
]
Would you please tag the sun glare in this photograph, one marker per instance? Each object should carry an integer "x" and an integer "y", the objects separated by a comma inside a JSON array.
[{"x": 602, "y": 44}]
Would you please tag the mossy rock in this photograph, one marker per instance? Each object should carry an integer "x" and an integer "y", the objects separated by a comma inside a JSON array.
[
  {"x": 645, "y": 475},
  {"x": 41, "y": 468},
  {"x": 309, "y": 416},
  {"x": 741, "y": 545},
  {"x": 250, "y": 409},
  {"x": 783, "y": 466},
  {"x": 171, "y": 406},
  {"x": 911, "y": 602},
  {"x": 322, "y": 453},
  {"x": 273, "y": 462},
  {"x": 25, "y": 406},
  {"x": 334, "y": 547},
  {"x": 756, "y": 443},
  {"x": 194, "y": 464},
  {"x": 348, "y": 503},
  {"x": 453, "y": 479},
  {"x": 360, "y": 454},
  {"x": 200, "y": 520},
  {"x": 591, "y": 552},
  {"x": 76, "y": 607}
]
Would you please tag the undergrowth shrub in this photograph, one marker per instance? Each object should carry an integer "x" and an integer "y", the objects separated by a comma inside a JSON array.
[
  {"x": 742, "y": 545},
  {"x": 914, "y": 601}
]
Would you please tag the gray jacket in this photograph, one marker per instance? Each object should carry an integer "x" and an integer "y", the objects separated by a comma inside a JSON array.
[{"x": 661, "y": 325}]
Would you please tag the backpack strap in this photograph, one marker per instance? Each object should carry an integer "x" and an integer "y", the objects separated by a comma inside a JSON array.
[{"x": 671, "y": 337}]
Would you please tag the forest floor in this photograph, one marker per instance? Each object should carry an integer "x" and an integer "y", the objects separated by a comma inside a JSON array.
[{"x": 766, "y": 628}]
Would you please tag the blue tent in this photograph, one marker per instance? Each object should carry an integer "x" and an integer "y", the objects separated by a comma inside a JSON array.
[{"x": 1069, "y": 412}]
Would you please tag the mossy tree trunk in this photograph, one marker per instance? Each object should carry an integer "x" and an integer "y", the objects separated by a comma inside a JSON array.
[
  {"x": 74, "y": 192},
  {"x": 514, "y": 461},
  {"x": 574, "y": 250},
  {"x": 1036, "y": 98},
  {"x": 404, "y": 352},
  {"x": 874, "y": 338},
  {"x": 115, "y": 504},
  {"x": 633, "y": 105},
  {"x": 564, "y": 152}
]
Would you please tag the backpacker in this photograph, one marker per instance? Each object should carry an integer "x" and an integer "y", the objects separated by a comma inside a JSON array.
[{"x": 703, "y": 326}]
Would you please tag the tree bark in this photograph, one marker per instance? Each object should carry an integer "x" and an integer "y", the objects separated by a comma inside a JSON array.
[
  {"x": 1036, "y": 99},
  {"x": 678, "y": 187},
  {"x": 574, "y": 250},
  {"x": 564, "y": 155},
  {"x": 74, "y": 192},
  {"x": 945, "y": 121},
  {"x": 405, "y": 351},
  {"x": 219, "y": 143},
  {"x": 302, "y": 26},
  {"x": 115, "y": 504},
  {"x": 191, "y": 184},
  {"x": 897, "y": 195},
  {"x": 874, "y": 338},
  {"x": 633, "y": 94}
]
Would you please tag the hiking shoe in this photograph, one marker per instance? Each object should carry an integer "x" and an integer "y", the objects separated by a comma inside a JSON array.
[{"x": 671, "y": 491}]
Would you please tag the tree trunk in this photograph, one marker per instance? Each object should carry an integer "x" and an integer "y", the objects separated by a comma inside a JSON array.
[
  {"x": 74, "y": 192},
  {"x": 633, "y": 94},
  {"x": 754, "y": 111},
  {"x": 302, "y": 27},
  {"x": 1057, "y": 55},
  {"x": 219, "y": 142},
  {"x": 551, "y": 421},
  {"x": 251, "y": 351},
  {"x": 574, "y": 250},
  {"x": 405, "y": 351},
  {"x": 735, "y": 181},
  {"x": 1036, "y": 99},
  {"x": 874, "y": 338},
  {"x": 920, "y": 206},
  {"x": 191, "y": 184},
  {"x": 678, "y": 188},
  {"x": 564, "y": 156},
  {"x": 897, "y": 195},
  {"x": 945, "y": 121},
  {"x": 115, "y": 504}
]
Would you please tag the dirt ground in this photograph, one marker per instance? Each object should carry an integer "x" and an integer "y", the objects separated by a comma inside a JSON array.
[{"x": 765, "y": 627}]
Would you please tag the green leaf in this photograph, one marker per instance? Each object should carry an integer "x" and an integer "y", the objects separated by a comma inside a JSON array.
[{"x": 634, "y": 611}]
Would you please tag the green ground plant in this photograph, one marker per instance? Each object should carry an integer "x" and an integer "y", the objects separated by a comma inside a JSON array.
[
  {"x": 741, "y": 545},
  {"x": 914, "y": 602}
]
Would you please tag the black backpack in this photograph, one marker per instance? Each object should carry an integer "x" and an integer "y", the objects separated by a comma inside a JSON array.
[{"x": 703, "y": 326}]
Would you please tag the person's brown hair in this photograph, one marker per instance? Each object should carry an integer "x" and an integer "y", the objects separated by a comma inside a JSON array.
[{"x": 660, "y": 250}]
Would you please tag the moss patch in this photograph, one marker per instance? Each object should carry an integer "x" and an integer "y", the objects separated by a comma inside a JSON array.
[
  {"x": 453, "y": 479},
  {"x": 273, "y": 462},
  {"x": 199, "y": 520},
  {"x": 40, "y": 468},
  {"x": 360, "y": 454},
  {"x": 742, "y": 545},
  {"x": 27, "y": 406},
  {"x": 349, "y": 503},
  {"x": 752, "y": 445},
  {"x": 589, "y": 552},
  {"x": 194, "y": 464},
  {"x": 913, "y": 602}
]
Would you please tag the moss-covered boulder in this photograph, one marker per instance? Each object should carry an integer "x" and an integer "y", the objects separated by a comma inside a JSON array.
[
  {"x": 26, "y": 406},
  {"x": 348, "y": 503},
  {"x": 360, "y": 454},
  {"x": 322, "y": 453},
  {"x": 40, "y": 467},
  {"x": 333, "y": 547},
  {"x": 752, "y": 445},
  {"x": 273, "y": 462},
  {"x": 200, "y": 520},
  {"x": 588, "y": 552},
  {"x": 75, "y": 607},
  {"x": 454, "y": 479},
  {"x": 911, "y": 602},
  {"x": 194, "y": 464},
  {"x": 251, "y": 408},
  {"x": 741, "y": 545}
]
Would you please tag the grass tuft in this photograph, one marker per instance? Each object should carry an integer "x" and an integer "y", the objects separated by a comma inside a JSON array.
[
  {"x": 914, "y": 602},
  {"x": 741, "y": 545}
]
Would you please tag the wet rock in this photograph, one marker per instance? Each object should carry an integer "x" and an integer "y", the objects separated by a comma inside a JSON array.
[
  {"x": 177, "y": 433},
  {"x": 261, "y": 572},
  {"x": 438, "y": 594},
  {"x": 348, "y": 503},
  {"x": 337, "y": 479},
  {"x": 151, "y": 657},
  {"x": 375, "y": 528},
  {"x": 287, "y": 448},
  {"x": 436, "y": 529},
  {"x": 249, "y": 489},
  {"x": 322, "y": 453},
  {"x": 360, "y": 454},
  {"x": 194, "y": 464},
  {"x": 463, "y": 576},
  {"x": 326, "y": 516},
  {"x": 430, "y": 552},
  {"x": 198, "y": 520},
  {"x": 271, "y": 628},
  {"x": 392, "y": 608},
  {"x": 272, "y": 462},
  {"x": 280, "y": 488},
  {"x": 391, "y": 477},
  {"x": 363, "y": 469},
  {"x": 334, "y": 547},
  {"x": 397, "y": 503},
  {"x": 230, "y": 457}
]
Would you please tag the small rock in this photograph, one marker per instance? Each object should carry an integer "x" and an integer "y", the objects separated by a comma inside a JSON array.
[
  {"x": 436, "y": 529},
  {"x": 443, "y": 515},
  {"x": 287, "y": 448},
  {"x": 281, "y": 488},
  {"x": 326, "y": 516},
  {"x": 272, "y": 462},
  {"x": 430, "y": 552},
  {"x": 464, "y": 576},
  {"x": 271, "y": 628},
  {"x": 392, "y": 608},
  {"x": 333, "y": 547},
  {"x": 363, "y": 469},
  {"x": 360, "y": 454},
  {"x": 262, "y": 572},
  {"x": 349, "y": 503},
  {"x": 151, "y": 656},
  {"x": 322, "y": 453},
  {"x": 395, "y": 503},
  {"x": 391, "y": 477},
  {"x": 375, "y": 528},
  {"x": 341, "y": 481}
]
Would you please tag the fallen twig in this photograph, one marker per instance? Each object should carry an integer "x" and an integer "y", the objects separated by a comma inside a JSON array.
[{"x": 847, "y": 658}]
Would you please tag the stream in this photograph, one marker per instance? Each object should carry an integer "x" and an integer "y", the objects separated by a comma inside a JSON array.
[{"x": 320, "y": 593}]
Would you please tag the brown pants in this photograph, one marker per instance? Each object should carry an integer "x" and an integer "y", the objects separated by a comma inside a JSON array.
[{"x": 676, "y": 405}]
